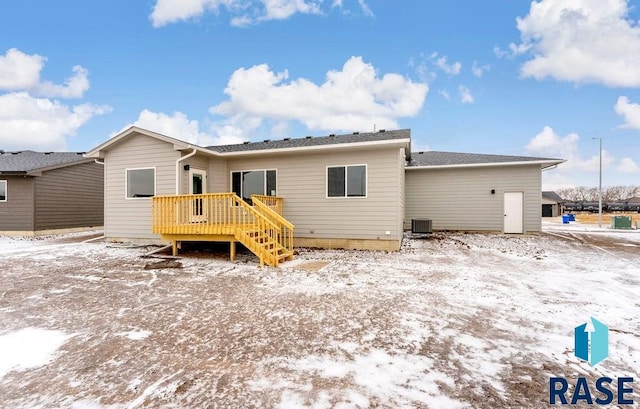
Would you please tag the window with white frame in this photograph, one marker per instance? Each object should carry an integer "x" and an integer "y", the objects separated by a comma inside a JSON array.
[
  {"x": 3, "y": 190},
  {"x": 141, "y": 183},
  {"x": 253, "y": 182},
  {"x": 347, "y": 181}
]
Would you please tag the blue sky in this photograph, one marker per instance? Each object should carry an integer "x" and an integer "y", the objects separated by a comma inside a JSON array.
[{"x": 538, "y": 78}]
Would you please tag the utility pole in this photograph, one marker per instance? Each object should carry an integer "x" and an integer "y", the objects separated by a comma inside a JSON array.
[{"x": 600, "y": 186}]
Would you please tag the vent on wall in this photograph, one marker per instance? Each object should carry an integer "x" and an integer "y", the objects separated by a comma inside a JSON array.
[{"x": 421, "y": 226}]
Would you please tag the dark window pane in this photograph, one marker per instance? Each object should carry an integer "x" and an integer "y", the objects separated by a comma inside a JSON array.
[
  {"x": 335, "y": 182},
  {"x": 236, "y": 184},
  {"x": 197, "y": 184},
  {"x": 356, "y": 181},
  {"x": 252, "y": 184},
  {"x": 271, "y": 183},
  {"x": 141, "y": 182},
  {"x": 3, "y": 190}
]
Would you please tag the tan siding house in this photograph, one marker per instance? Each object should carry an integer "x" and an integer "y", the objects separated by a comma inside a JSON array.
[
  {"x": 373, "y": 219},
  {"x": 472, "y": 199},
  {"x": 49, "y": 192},
  {"x": 357, "y": 191},
  {"x": 336, "y": 221},
  {"x": 130, "y": 217}
]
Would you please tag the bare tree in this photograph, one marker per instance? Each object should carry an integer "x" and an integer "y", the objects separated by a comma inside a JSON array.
[{"x": 590, "y": 194}]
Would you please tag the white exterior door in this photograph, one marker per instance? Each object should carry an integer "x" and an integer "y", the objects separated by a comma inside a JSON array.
[
  {"x": 513, "y": 212},
  {"x": 197, "y": 186}
]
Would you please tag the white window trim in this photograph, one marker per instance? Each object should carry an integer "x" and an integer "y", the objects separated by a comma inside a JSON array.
[
  {"x": 6, "y": 191},
  {"x": 346, "y": 196},
  {"x": 231, "y": 172},
  {"x": 205, "y": 181},
  {"x": 126, "y": 187}
]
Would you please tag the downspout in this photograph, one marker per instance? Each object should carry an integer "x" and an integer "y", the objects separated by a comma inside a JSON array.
[{"x": 180, "y": 159}]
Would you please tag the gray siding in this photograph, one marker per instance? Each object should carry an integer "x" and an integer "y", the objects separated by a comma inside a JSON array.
[
  {"x": 70, "y": 197},
  {"x": 301, "y": 181},
  {"x": 199, "y": 162},
  {"x": 219, "y": 180},
  {"x": 131, "y": 218},
  {"x": 16, "y": 214},
  {"x": 217, "y": 175},
  {"x": 461, "y": 199}
]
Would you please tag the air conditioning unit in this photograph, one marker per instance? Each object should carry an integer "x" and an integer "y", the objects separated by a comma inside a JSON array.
[{"x": 421, "y": 226}]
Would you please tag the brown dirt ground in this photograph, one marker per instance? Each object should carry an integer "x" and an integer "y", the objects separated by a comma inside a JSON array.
[{"x": 216, "y": 327}]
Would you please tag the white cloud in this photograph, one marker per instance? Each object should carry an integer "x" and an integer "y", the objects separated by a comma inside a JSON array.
[
  {"x": 179, "y": 126},
  {"x": 171, "y": 11},
  {"x": 366, "y": 10},
  {"x": 242, "y": 12},
  {"x": 479, "y": 70},
  {"x": 351, "y": 99},
  {"x": 579, "y": 169},
  {"x": 41, "y": 124},
  {"x": 450, "y": 69},
  {"x": 629, "y": 111},
  {"x": 465, "y": 95},
  {"x": 581, "y": 41},
  {"x": 283, "y": 9},
  {"x": 421, "y": 69},
  {"x": 21, "y": 72},
  {"x": 445, "y": 94},
  {"x": 627, "y": 165},
  {"x": 549, "y": 144}
]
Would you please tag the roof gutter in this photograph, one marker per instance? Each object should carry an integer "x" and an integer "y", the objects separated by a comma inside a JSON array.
[
  {"x": 180, "y": 159},
  {"x": 492, "y": 164}
]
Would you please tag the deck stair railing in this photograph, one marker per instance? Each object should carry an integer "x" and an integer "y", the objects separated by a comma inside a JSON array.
[{"x": 225, "y": 216}]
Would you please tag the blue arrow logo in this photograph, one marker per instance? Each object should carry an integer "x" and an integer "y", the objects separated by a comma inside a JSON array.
[{"x": 592, "y": 341}]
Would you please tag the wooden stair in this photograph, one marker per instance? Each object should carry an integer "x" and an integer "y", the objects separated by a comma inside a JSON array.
[
  {"x": 265, "y": 247},
  {"x": 271, "y": 239},
  {"x": 226, "y": 217}
]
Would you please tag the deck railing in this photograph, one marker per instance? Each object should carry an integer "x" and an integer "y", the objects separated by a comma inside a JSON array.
[
  {"x": 260, "y": 228},
  {"x": 285, "y": 236},
  {"x": 274, "y": 202}
]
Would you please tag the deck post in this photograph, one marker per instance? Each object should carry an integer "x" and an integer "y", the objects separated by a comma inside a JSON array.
[
  {"x": 174, "y": 247},
  {"x": 232, "y": 250}
]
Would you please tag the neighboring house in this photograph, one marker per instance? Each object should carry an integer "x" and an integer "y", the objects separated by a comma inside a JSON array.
[
  {"x": 551, "y": 204},
  {"x": 48, "y": 192},
  {"x": 340, "y": 191}
]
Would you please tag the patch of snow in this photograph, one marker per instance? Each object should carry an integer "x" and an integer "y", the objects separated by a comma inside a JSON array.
[
  {"x": 150, "y": 390},
  {"x": 396, "y": 379},
  {"x": 136, "y": 335},
  {"x": 29, "y": 348}
]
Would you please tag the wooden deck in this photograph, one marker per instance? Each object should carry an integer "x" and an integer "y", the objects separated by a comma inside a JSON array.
[{"x": 226, "y": 217}]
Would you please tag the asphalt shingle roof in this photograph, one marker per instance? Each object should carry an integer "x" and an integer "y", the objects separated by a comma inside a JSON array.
[
  {"x": 26, "y": 161},
  {"x": 434, "y": 158},
  {"x": 314, "y": 141},
  {"x": 553, "y": 196}
]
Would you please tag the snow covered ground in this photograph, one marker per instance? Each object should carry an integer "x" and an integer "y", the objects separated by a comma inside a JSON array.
[{"x": 450, "y": 321}]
